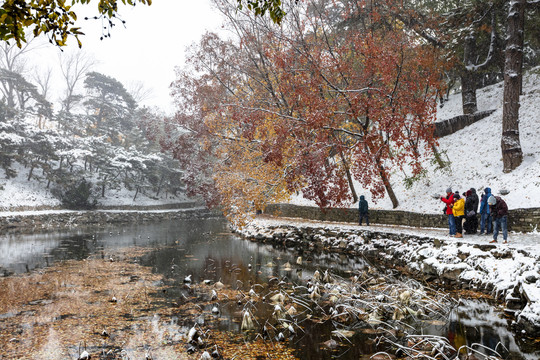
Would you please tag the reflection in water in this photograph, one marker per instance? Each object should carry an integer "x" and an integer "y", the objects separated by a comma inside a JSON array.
[
  {"x": 479, "y": 322},
  {"x": 206, "y": 250}
]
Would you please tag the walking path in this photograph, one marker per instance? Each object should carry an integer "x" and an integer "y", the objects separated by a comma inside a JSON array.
[{"x": 529, "y": 242}]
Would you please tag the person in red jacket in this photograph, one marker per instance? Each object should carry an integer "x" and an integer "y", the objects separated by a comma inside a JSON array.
[
  {"x": 449, "y": 201},
  {"x": 499, "y": 211}
]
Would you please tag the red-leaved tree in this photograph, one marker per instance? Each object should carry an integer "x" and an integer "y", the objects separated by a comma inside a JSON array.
[{"x": 337, "y": 95}]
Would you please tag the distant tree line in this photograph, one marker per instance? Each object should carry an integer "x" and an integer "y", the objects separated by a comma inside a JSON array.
[{"x": 96, "y": 138}]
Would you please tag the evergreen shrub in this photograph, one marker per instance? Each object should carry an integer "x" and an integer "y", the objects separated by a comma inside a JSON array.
[{"x": 78, "y": 195}]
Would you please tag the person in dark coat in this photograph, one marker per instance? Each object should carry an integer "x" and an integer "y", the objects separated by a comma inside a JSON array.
[
  {"x": 471, "y": 209},
  {"x": 485, "y": 214},
  {"x": 363, "y": 210},
  {"x": 499, "y": 211},
  {"x": 449, "y": 201}
]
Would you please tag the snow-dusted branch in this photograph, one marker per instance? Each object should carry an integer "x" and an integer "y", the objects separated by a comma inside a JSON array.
[{"x": 491, "y": 52}]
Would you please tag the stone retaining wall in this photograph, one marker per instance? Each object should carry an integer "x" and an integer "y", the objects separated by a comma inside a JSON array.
[
  {"x": 71, "y": 219},
  {"x": 450, "y": 126},
  {"x": 521, "y": 220},
  {"x": 182, "y": 205}
]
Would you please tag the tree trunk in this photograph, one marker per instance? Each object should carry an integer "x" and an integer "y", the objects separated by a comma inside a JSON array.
[
  {"x": 438, "y": 159},
  {"x": 31, "y": 171},
  {"x": 103, "y": 187},
  {"x": 136, "y": 193},
  {"x": 160, "y": 183},
  {"x": 70, "y": 164},
  {"x": 387, "y": 185},
  {"x": 468, "y": 77},
  {"x": 510, "y": 144},
  {"x": 349, "y": 177}
]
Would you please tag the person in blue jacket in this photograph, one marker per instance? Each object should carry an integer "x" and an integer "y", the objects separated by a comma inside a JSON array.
[
  {"x": 485, "y": 215},
  {"x": 363, "y": 210}
]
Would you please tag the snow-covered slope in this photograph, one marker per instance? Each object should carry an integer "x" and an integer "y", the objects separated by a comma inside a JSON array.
[
  {"x": 19, "y": 193},
  {"x": 475, "y": 155}
]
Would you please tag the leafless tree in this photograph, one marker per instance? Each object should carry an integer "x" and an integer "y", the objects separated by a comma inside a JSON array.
[
  {"x": 43, "y": 78},
  {"x": 73, "y": 66},
  {"x": 139, "y": 92},
  {"x": 12, "y": 59}
]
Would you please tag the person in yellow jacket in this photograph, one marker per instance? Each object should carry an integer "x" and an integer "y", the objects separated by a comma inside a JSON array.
[{"x": 459, "y": 214}]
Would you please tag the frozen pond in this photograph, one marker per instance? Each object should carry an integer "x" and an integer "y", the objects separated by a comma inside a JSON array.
[{"x": 191, "y": 258}]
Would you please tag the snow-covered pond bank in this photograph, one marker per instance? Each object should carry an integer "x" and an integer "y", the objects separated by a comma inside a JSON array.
[
  {"x": 511, "y": 274},
  {"x": 46, "y": 220}
]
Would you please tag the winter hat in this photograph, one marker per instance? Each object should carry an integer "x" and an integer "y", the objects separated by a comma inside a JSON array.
[
  {"x": 449, "y": 190},
  {"x": 468, "y": 193},
  {"x": 456, "y": 196},
  {"x": 492, "y": 200}
]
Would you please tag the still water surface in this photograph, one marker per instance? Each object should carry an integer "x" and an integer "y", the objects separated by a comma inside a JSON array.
[{"x": 206, "y": 249}]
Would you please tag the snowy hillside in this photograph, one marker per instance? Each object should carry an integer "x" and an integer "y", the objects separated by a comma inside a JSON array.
[
  {"x": 20, "y": 193},
  {"x": 475, "y": 155}
]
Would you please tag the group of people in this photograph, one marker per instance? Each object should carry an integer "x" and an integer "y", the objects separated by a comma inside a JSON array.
[{"x": 462, "y": 213}]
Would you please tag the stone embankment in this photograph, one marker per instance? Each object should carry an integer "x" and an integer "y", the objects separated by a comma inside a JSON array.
[
  {"x": 509, "y": 275},
  {"x": 522, "y": 220},
  {"x": 39, "y": 221},
  {"x": 450, "y": 126}
]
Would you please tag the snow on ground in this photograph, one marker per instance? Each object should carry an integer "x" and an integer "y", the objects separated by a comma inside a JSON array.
[
  {"x": 18, "y": 192},
  {"x": 475, "y": 155},
  {"x": 52, "y": 212},
  {"x": 125, "y": 197},
  {"x": 527, "y": 242}
]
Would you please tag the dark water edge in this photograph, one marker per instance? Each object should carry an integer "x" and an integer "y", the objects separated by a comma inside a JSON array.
[{"x": 207, "y": 250}]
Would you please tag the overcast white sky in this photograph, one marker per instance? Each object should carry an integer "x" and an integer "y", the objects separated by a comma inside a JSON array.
[{"x": 148, "y": 48}]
